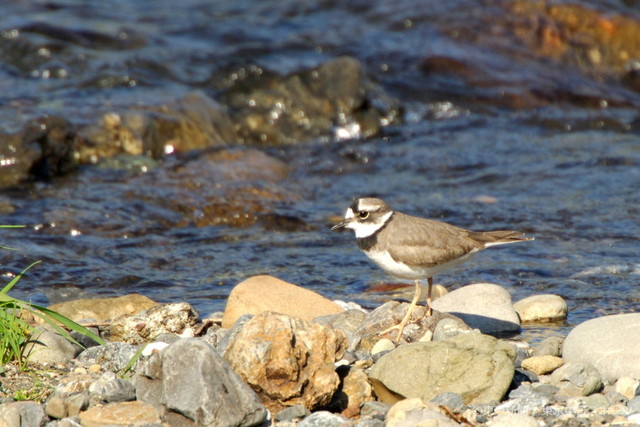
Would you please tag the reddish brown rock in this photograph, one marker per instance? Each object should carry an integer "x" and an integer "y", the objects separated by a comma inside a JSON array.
[
  {"x": 266, "y": 293},
  {"x": 286, "y": 360}
]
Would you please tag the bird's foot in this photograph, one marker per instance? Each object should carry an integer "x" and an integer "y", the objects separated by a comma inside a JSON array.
[{"x": 404, "y": 322}]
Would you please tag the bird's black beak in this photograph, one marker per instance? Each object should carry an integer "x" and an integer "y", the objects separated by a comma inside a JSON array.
[{"x": 342, "y": 224}]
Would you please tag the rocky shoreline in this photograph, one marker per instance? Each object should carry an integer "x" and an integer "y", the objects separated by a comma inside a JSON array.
[{"x": 283, "y": 355}]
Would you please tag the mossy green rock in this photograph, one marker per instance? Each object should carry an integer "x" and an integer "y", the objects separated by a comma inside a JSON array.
[{"x": 476, "y": 366}]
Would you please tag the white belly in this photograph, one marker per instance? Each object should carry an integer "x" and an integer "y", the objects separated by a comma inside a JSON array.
[{"x": 403, "y": 271}]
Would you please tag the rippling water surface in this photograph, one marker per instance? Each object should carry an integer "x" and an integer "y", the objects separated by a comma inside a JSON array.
[{"x": 566, "y": 173}]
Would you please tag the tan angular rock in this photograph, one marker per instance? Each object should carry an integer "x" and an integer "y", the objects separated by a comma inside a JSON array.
[
  {"x": 120, "y": 414},
  {"x": 628, "y": 387},
  {"x": 286, "y": 360},
  {"x": 354, "y": 390},
  {"x": 102, "y": 310},
  {"x": 541, "y": 308},
  {"x": 542, "y": 365},
  {"x": 267, "y": 293}
]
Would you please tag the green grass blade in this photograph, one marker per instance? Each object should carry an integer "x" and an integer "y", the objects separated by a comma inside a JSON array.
[
  {"x": 15, "y": 280},
  {"x": 51, "y": 317}
]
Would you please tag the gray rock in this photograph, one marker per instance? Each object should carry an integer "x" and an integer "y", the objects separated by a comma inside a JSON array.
[
  {"x": 609, "y": 343},
  {"x": 597, "y": 401},
  {"x": 232, "y": 333},
  {"x": 390, "y": 314},
  {"x": 347, "y": 321},
  {"x": 524, "y": 400},
  {"x": 582, "y": 375},
  {"x": 484, "y": 306},
  {"x": 477, "y": 366},
  {"x": 449, "y": 399},
  {"x": 523, "y": 351},
  {"x": 634, "y": 405},
  {"x": 550, "y": 346},
  {"x": 547, "y": 389},
  {"x": 50, "y": 348},
  {"x": 292, "y": 413},
  {"x": 375, "y": 408},
  {"x": 325, "y": 419},
  {"x": 112, "y": 357},
  {"x": 191, "y": 378},
  {"x": 109, "y": 388},
  {"x": 22, "y": 414},
  {"x": 449, "y": 327},
  {"x": 370, "y": 422}
]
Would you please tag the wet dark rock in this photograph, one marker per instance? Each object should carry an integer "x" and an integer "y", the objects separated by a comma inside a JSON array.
[
  {"x": 44, "y": 149},
  {"x": 282, "y": 223},
  {"x": 193, "y": 122},
  {"x": 307, "y": 105},
  {"x": 189, "y": 379}
]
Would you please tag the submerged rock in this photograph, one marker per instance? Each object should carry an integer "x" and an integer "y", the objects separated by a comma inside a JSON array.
[
  {"x": 44, "y": 149},
  {"x": 333, "y": 97}
]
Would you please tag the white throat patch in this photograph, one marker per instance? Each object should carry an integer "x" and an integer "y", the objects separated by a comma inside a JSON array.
[{"x": 366, "y": 229}]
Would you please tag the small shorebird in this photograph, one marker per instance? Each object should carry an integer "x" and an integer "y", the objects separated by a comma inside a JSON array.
[{"x": 411, "y": 247}]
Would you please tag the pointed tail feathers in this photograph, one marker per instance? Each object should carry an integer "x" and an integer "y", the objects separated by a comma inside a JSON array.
[{"x": 500, "y": 237}]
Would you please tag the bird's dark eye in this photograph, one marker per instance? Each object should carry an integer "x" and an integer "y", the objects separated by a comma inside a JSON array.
[{"x": 363, "y": 214}]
